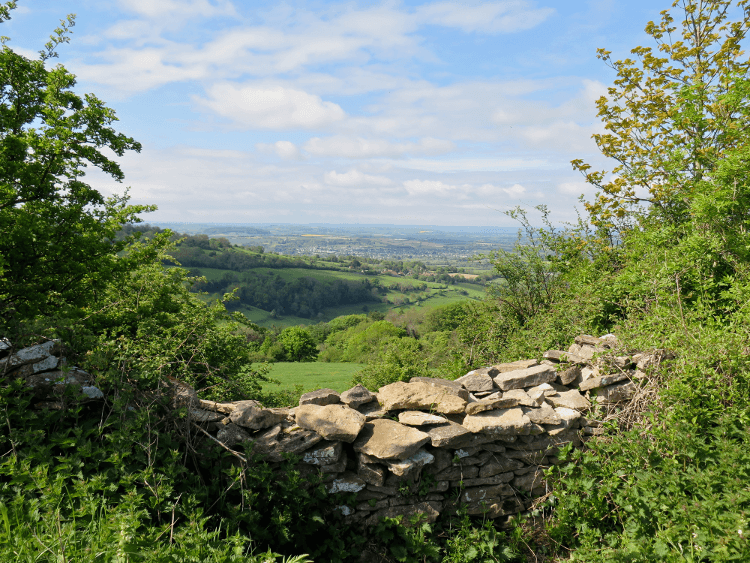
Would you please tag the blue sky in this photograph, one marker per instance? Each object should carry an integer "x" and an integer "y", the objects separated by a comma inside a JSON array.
[{"x": 439, "y": 113}]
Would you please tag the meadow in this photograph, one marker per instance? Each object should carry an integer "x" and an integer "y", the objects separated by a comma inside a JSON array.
[{"x": 312, "y": 375}]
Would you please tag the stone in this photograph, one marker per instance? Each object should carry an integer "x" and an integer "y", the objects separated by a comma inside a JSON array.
[
  {"x": 255, "y": 418},
  {"x": 543, "y": 415},
  {"x": 225, "y": 408},
  {"x": 497, "y": 465},
  {"x": 617, "y": 393},
  {"x": 569, "y": 399},
  {"x": 588, "y": 340},
  {"x": 483, "y": 405},
  {"x": 320, "y": 397},
  {"x": 560, "y": 356},
  {"x": 475, "y": 495},
  {"x": 457, "y": 473},
  {"x": 5, "y": 347},
  {"x": 346, "y": 483},
  {"x": 569, "y": 417},
  {"x": 531, "y": 481},
  {"x": 419, "y": 418},
  {"x": 532, "y": 457},
  {"x": 357, "y": 396},
  {"x": 325, "y": 453},
  {"x": 420, "y": 395},
  {"x": 602, "y": 381},
  {"x": 277, "y": 441},
  {"x": 427, "y": 511},
  {"x": 232, "y": 434},
  {"x": 372, "y": 411},
  {"x": 521, "y": 396},
  {"x": 513, "y": 366},
  {"x": 477, "y": 383},
  {"x": 443, "y": 460},
  {"x": 501, "y": 421},
  {"x": 485, "y": 481},
  {"x": 370, "y": 473},
  {"x": 410, "y": 465},
  {"x": 201, "y": 415},
  {"x": 494, "y": 448},
  {"x": 388, "y": 439},
  {"x": 528, "y": 377},
  {"x": 570, "y": 375},
  {"x": 454, "y": 435},
  {"x": 545, "y": 442},
  {"x": 183, "y": 395},
  {"x": 589, "y": 372},
  {"x": 456, "y": 388},
  {"x": 494, "y": 508},
  {"x": 32, "y": 354},
  {"x": 586, "y": 352},
  {"x": 333, "y": 422}
]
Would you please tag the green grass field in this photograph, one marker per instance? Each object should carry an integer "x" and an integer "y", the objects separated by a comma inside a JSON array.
[{"x": 312, "y": 375}]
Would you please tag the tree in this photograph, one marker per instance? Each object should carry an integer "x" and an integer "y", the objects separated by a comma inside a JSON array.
[
  {"x": 298, "y": 345},
  {"x": 672, "y": 119},
  {"x": 58, "y": 242}
]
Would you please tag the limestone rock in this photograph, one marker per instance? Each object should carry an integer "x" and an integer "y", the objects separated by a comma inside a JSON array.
[
  {"x": 497, "y": 465},
  {"x": 320, "y": 397},
  {"x": 5, "y": 347},
  {"x": 370, "y": 473},
  {"x": 501, "y": 421},
  {"x": 528, "y": 377},
  {"x": 255, "y": 418},
  {"x": 491, "y": 371},
  {"x": 31, "y": 355},
  {"x": 543, "y": 415},
  {"x": 333, "y": 422},
  {"x": 483, "y": 405},
  {"x": 232, "y": 434},
  {"x": 419, "y": 418},
  {"x": 570, "y": 375},
  {"x": 325, "y": 453},
  {"x": 617, "y": 393},
  {"x": 457, "y": 473},
  {"x": 419, "y": 395},
  {"x": 411, "y": 464},
  {"x": 388, "y": 439},
  {"x": 514, "y": 366},
  {"x": 456, "y": 388},
  {"x": 602, "y": 381},
  {"x": 357, "y": 396},
  {"x": 347, "y": 483},
  {"x": 201, "y": 415},
  {"x": 372, "y": 411},
  {"x": 560, "y": 356},
  {"x": 569, "y": 399},
  {"x": 531, "y": 481},
  {"x": 497, "y": 479},
  {"x": 476, "y": 495},
  {"x": 477, "y": 383},
  {"x": 454, "y": 435}
]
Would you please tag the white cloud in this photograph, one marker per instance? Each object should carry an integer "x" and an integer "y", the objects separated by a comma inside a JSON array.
[
  {"x": 356, "y": 147},
  {"x": 354, "y": 178},
  {"x": 283, "y": 149},
  {"x": 428, "y": 187},
  {"x": 270, "y": 107},
  {"x": 486, "y": 17},
  {"x": 178, "y": 8}
]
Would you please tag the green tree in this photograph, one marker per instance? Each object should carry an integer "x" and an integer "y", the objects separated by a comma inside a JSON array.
[
  {"x": 58, "y": 242},
  {"x": 297, "y": 344},
  {"x": 672, "y": 115}
]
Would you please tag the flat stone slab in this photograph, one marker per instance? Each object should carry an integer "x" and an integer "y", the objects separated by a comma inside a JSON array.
[
  {"x": 255, "y": 418},
  {"x": 477, "y": 383},
  {"x": 387, "y": 439},
  {"x": 617, "y": 393},
  {"x": 320, "y": 397},
  {"x": 501, "y": 421},
  {"x": 357, "y": 396},
  {"x": 419, "y": 418},
  {"x": 486, "y": 404},
  {"x": 420, "y": 395},
  {"x": 569, "y": 399},
  {"x": 453, "y": 435},
  {"x": 346, "y": 483},
  {"x": 514, "y": 366},
  {"x": 543, "y": 415},
  {"x": 333, "y": 422},
  {"x": 497, "y": 465},
  {"x": 232, "y": 434},
  {"x": 528, "y": 377},
  {"x": 454, "y": 386},
  {"x": 412, "y": 463},
  {"x": 326, "y": 453},
  {"x": 602, "y": 381},
  {"x": 428, "y": 512}
]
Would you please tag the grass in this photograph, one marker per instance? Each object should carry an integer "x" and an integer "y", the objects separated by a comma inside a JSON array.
[{"x": 313, "y": 375}]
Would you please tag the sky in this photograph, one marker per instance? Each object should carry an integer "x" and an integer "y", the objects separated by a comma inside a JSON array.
[{"x": 394, "y": 112}]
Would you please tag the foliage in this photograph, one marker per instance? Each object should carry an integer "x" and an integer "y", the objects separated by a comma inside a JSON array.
[
  {"x": 57, "y": 247},
  {"x": 672, "y": 116},
  {"x": 398, "y": 359},
  {"x": 297, "y": 344}
]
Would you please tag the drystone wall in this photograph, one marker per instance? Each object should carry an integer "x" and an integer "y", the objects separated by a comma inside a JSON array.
[{"x": 423, "y": 447}]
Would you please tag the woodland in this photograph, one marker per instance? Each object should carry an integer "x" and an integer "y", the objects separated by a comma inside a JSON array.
[{"x": 660, "y": 257}]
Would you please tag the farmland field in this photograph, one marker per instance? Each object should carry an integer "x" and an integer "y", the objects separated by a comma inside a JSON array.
[{"x": 312, "y": 375}]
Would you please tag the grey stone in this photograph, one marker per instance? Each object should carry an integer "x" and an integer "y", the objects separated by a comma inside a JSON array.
[
  {"x": 501, "y": 421},
  {"x": 457, "y": 473},
  {"x": 255, "y": 418},
  {"x": 333, "y": 422},
  {"x": 491, "y": 371},
  {"x": 232, "y": 434},
  {"x": 454, "y": 435},
  {"x": 388, "y": 439},
  {"x": 569, "y": 399},
  {"x": 543, "y": 415},
  {"x": 411, "y": 464},
  {"x": 497, "y": 465},
  {"x": 617, "y": 393},
  {"x": 346, "y": 483},
  {"x": 419, "y": 418},
  {"x": 32, "y": 354},
  {"x": 357, "y": 396},
  {"x": 325, "y": 453},
  {"x": 201, "y": 415},
  {"x": 602, "y": 381},
  {"x": 478, "y": 494},
  {"x": 427, "y": 511},
  {"x": 477, "y": 383},
  {"x": 372, "y": 411},
  {"x": 570, "y": 375},
  {"x": 531, "y": 481},
  {"x": 529, "y": 377},
  {"x": 496, "y": 479},
  {"x": 560, "y": 356},
  {"x": 455, "y": 387},
  {"x": 419, "y": 395},
  {"x": 370, "y": 473},
  {"x": 514, "y": 366},
  {"x": 320, "y": 397}
]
